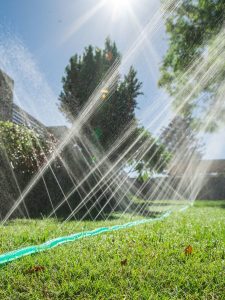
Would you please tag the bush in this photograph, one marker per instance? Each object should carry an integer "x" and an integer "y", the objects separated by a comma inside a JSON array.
[{"x": 27, "y": 151}]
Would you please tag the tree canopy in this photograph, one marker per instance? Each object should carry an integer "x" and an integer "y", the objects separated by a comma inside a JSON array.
[
  {"x": 191, "y": 29},
  {"x": 82, "y": 75},
  {"x": 181, "y": 140}
]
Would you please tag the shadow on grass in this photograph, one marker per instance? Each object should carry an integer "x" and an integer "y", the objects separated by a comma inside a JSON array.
[{"x": 210, "y": 203}]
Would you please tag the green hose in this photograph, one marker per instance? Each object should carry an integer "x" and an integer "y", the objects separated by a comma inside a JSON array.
[{"x": 16, "y": 254}]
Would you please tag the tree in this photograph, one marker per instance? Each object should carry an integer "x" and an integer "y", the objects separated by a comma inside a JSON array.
[
  {"x": 83, "y": 74},
  {"x": 149, "y": 154},
  {"x": 117, "y": 111},
  {"x": 180, "y": 137},
  {"x": 191, "y": 29}
]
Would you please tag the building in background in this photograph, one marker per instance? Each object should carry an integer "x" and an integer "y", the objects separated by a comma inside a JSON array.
[
  {"x": 9, "y": 111},
  {"x": 211, "y": 167},
  {"x": 21, "y": 117},
  {"x": 6, "y": 97}
]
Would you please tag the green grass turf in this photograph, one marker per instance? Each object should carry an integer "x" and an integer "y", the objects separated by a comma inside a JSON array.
[{"x": 157, "y": 267}]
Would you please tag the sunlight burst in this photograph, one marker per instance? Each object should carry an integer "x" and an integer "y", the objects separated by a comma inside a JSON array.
[{"x": 119, "y": 8}]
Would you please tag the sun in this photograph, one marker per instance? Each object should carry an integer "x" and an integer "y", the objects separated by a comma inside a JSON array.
[
  {"x": 120, "y": 4},
  {"x": 119, "y": 8}
]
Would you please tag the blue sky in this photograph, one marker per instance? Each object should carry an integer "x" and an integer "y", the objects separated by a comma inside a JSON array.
[
  {"x": 39, "y": 36},
  {"x": 54, "y": 30}
]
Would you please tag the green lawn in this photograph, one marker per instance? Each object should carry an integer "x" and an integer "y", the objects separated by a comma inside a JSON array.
[{"x": 157, "y": 267}]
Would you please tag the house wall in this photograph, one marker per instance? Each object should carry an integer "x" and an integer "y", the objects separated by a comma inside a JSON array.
[
  {"x": 6, "y": 97},
  {"x": 212, "y": 188}
]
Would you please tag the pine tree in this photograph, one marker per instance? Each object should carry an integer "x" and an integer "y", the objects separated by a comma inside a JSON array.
[{"x": 82, "y": 76}]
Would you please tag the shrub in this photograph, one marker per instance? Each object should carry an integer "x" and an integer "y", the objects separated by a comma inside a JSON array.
[{"x": 26, "y": 150}]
